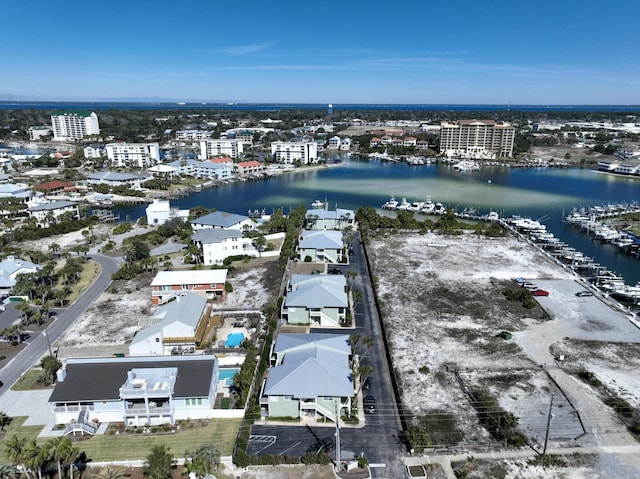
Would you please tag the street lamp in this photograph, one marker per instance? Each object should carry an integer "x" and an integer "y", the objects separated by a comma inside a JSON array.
[{"x": 44, "y": 333}]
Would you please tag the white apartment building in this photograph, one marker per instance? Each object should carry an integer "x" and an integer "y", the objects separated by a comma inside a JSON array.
[
  {"x": 69, "y": 125},
  {"x": 482, "y": 139},
  {"x": 288, "y": 152},
  {"x": 221, "y": 147},
  {"x": 192, "y": 135},
  {"x": 133, "y": 155},
  {"x": 37, "y": 132}
]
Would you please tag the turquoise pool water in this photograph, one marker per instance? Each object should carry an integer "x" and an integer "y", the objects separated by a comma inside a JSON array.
[{"x": 226, "y": 375}]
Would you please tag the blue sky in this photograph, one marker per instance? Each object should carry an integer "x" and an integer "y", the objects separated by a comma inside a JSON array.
[{"x": 465, "y": 51}]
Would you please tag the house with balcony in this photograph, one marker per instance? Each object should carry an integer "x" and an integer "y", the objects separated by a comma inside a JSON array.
[
  {"x": 321, "y": 246},
  {"x": 217, "y": 244},
  {"x": 179, "y": 329},
  {"x": 160, "y": 211},
  {"x": 209, "y": 283},
  {"x": 325, "y": 219},
  {"x": 317, "y": 300},
  {"x": 138, "y": 391},
  {"x": 48, "y": 213},
  {"x": 310, "y": 377}
]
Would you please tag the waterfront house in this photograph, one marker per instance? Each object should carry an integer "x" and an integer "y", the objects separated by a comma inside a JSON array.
[
  {"x": 324, "y": 219},
  {"x": 160, "y": 211},
  {"x": 316, "y": 299},
  {"x": 113, "y": 179},
  {"x": 208, "y": 282},
  {"x": 249, "y": 168},
  {"x": 136, "y": 391},
  {"x": 47, "y": 213},
  {"x": 163, "y": 171},
  {"x": 334, "y": 143},
  {"x": 56, "y": 187},
  {"x": 10, "y": 268},
  {"x": 179, "y": 329},
  {"x": 223, "y": 220},
  {"x": 310, "y": 377},
  {"x": 324, "y": 246}
]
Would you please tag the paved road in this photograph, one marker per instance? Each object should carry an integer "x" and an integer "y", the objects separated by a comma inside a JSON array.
[{"x": 38, "y": 344}]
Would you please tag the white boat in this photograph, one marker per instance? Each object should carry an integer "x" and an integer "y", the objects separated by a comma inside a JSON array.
[
  {"x": 428, "y": 206},
  {"x": 392, "y": 204},
  {"x": 439, "y": 209},
  {"x": 494, "y": 216},
  {"x": 317, "y": 205},
  {"x": 404, "y": 204},
  {"x": 416, "y": 206},
  {"x": 527, "y": 224},
  {"x": 466, "y": 165}
]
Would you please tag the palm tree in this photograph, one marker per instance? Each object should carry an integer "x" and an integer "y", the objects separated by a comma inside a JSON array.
[
  {"x": 34, "y": 457},
  {"x": 63, "y": 452},
  {"x": 15, "y": 449},
  {"x": 4, "y": 420},
  {"x": 204, "y": 461},
  {"x": 110, "y": 472},
  {"x": 55, "y": 247},
  {"x": 7, "y": 471}
]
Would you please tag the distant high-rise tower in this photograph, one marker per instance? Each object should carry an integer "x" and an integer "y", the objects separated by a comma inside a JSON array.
[
  {"x": 69, "y": 125},
  {"x": 330, "y": 109}
]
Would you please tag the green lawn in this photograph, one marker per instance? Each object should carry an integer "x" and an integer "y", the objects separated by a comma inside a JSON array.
[
  {"x": 220, "y": 432},
  {"x": 90, "y": 273},
  {"x": 29, "y": 381}
]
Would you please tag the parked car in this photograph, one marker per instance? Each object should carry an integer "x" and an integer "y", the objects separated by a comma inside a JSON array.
[
  {"x": 583, "y": 294},
  {"x": 369, "y": 405},
  {"x": 540, "y": 292},
  {"x": 366, "y": 385},
  {"x": 321, "y": 445}
]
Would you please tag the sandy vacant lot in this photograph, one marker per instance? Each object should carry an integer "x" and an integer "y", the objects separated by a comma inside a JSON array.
[{"x": 443, "y": 304}]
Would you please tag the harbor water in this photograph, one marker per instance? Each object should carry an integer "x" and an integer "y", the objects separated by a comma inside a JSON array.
[{"x": 544, "y": 194}]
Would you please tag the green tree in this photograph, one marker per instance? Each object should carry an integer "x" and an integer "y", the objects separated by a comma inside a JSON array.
[
  {"x": 7, "y": 471},
  {"x": 50, "y": 365},
  {"x": 14, "y": 448},
  {"x": 203, "y": 461},
  {"x": 4, "y": 420},
  {"x": 62, "y": 451},
  {"x": 159, "y": 463}
]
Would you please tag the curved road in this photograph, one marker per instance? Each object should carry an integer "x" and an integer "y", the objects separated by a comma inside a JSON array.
[{"x": 38, "y": 345}]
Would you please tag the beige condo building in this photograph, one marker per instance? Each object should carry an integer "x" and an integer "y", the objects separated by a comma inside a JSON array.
[{"x": 482, "y": 139}]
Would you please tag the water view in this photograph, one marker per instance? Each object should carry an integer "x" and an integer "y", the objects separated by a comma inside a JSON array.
[{"x": 543, "y": 194}]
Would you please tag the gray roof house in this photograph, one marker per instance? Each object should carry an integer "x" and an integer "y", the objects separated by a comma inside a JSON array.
[
  {"x": 136, "y": 391},
  {"x": 180, "y": 328},
  {"x": 310, "y": 376},
  {"x": 113, "y": 178},
  {"x": 223, "y": 220},
  {"x": 217, "y": 244},
  {"x": 322, "y": 246},
  {"x": 324, "y": 219},
  {"x": 318, "y": 299},
  {"x": 10, "y": 268},
  {"x": 47, "y": 212}
]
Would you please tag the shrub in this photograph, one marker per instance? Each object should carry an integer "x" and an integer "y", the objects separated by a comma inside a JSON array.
[{"x": 228, "y": 287}]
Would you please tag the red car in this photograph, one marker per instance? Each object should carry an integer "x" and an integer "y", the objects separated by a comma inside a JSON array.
[{"x": 540, "y": 292}]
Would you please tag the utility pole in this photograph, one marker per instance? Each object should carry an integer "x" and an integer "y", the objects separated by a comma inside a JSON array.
[
  {"x": 546, "y": 437},
  {"x": 44, "y": 333},
  {"x": 337, "y": 438}
]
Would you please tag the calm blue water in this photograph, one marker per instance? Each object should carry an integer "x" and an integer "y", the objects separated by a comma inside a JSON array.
[{"x": 542, "y": 194}]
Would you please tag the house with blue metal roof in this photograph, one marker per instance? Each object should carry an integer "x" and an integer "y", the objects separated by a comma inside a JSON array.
[
  {"x": 325, "y": 219},
  {"x": 316, "y": 299},
  {"x": 179, "y": 329},
  {"x": 223, "y": 220},
  {"x": 310, "y": 377},
  {"x": 10, "y": 268},
  {"x": 321, "y": 246}
]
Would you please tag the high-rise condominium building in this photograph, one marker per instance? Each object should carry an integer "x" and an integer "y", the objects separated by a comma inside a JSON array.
[
  {"x": 69, "y": 125},
  {"x": 477, "y": 139}
]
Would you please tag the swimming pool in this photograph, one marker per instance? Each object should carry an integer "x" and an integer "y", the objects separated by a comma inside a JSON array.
[{"x": 226, "y": 376}]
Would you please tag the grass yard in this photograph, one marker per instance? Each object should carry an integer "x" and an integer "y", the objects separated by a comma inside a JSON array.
[
  {"x": 89, "y": 274},
  {"x": 30, "y": 381},
  {"x": 220, "y": 432}
]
